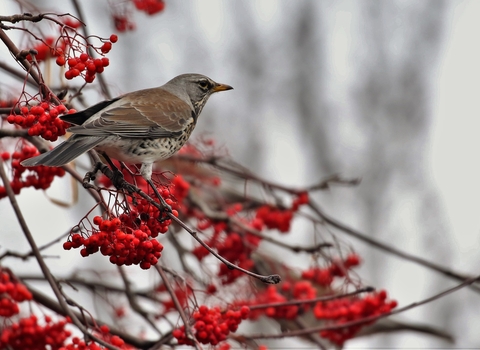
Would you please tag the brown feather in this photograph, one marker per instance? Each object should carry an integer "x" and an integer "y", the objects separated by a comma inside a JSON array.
[{"x": 146, "y": 113}]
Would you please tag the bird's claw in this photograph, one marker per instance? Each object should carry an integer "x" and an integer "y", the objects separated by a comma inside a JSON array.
[{"x": 118, "y": 180}]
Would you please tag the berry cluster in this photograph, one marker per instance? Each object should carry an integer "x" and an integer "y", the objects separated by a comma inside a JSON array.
[
  {"x": 71, "y": 47},
  {"x": 51, "y": 47},
  {"x": 78, "y": 344},
  {"x": 346, "y": 310},
  {"x": 174, "y": 193},
  {"x": 324, "y": 276},
  {"x": 122, "y": 23},
  {"x": 123, "y": 248},
  {"x": 338, "y": 311},
  {"x": 38, "y": 177},
  {"x": 271, "y": 295},
  {"x": 231, "y": 246},
  {"x": 42, "y": 120},
  {"x": 280, "y": 219},
  {"x": 29, "y": 334},
  {"x": 238, "y": 248},
  {"x": 150, "y": 7},
  {"x": 84, "y": 65},
  {"x": 12, "y": 292},
  {"x": 45, "y": 49},
  {"x": 122, "y": 13},
  {"x": 129, "y": 236},
  {"x": 211, "y": 325}
]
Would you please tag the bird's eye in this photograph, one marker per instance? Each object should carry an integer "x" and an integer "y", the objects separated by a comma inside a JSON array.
[{"x": 204, "y": 84}]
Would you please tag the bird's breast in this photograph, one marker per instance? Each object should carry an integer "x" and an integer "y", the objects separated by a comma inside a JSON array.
[{"x": 140, "y": 150}]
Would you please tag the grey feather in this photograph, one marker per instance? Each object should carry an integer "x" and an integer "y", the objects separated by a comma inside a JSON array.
[
  {"x": 65, "y": 152},
  {"x": 103, "y": 127}
]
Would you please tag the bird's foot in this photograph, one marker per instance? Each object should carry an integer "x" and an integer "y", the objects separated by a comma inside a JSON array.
[{"x": 118, "y": 180}]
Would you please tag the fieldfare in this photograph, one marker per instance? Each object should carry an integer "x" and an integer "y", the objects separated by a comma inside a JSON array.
[{"x": 144, "y": 126}]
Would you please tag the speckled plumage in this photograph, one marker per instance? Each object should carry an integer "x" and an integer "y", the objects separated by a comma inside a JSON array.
[{"x": 144, "y": 126}]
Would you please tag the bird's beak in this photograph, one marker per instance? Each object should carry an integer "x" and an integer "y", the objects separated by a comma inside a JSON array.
[{"x": 221, "y": 87}]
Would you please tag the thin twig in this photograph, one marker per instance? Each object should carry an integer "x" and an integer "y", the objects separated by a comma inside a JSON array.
[
  {"x": 43, "y": 266},
  {"x": 178, "y": 306},
  {"x": 312, "y": 301},
  {"x": 420, "y": 261},
  {"x": 53, "y": 305},
  {"x": 132, "y": 300},
  {"x": 101, "y": 80},
  {"x": 121, "y": 183},
  {"x": 365, "y": 320}
]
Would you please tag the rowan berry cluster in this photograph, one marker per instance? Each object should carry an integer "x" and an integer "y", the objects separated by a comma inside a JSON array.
[
  {"x": 337, "y": 268},
  {"x": 124, "y": 247},
  {"x": 280, "y": 219},
  {"x": 41, "y": 120},
  {"x": 122, "y": 13},
  {"x": 45, "y": 49},
  {"x": 238, "y": 248},
  {"x": 351, "y": 309},
  {"x": 129, "y": 237},
  {"x": 72, "y": 48},
  {"x": 229, "y": 244},
  {"x": 211, "y": 325},
  {"x": 78, "y": 344},
  {"x": 272, "y": 296},
  {"x": 337, "y": 311},
  {"x": 11, "y": 292},
  {"x": 27, "y": 333},
  {"x": 38, "y": 177},
  {"x": 52, "y": 47},
  {"x": 150, "y": 7},
  {"x": 84, "y": 65}
]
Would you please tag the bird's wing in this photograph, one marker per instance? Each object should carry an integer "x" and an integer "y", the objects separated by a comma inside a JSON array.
[
  {"x": 153, "y": 113},
  {"x": 81, "y": 117}
]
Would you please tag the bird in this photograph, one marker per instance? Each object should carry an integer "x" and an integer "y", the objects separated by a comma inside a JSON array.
[{"x": 143, "y": 126}]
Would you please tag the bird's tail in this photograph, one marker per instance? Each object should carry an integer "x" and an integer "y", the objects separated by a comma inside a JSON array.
[{"x": 65, "y": 152}]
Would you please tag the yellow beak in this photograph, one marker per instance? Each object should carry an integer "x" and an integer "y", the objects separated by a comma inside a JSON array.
[{"x": 221, "y": 87}]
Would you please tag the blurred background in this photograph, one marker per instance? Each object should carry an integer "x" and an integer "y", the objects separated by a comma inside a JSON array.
[{"x": 384, "y": 91}]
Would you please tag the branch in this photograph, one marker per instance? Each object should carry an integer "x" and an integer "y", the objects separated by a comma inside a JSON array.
[
  {"x": 365, "y": 319},
  {"x": 57, "y": 308},
  {"x": 232, "y": 221},
  {"x": 420, "y": 261},
  {"x": 178, "y": 306},
  {"x": 312, "y": 301},
  {"x": 13, "y": 133},
  {"x": 45, "y": 90},
  {"x": 244, "y": 173},
  {"x": 121, "y": 184},
  {"x": 100, "y": 78},
  {"x": 18, "y": 74},
  {"x": 133, "y": 301},
  {"x": 43, "y": 266}
]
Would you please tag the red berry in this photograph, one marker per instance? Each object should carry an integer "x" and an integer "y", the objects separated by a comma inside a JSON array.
[
  {"x": 106, "y": 47},
  {"x": 113, "y": 38},
  {"x": 60, "y": 60},
  {"x": 68, "y": 75},
  {"x": 5, "y": 156}
]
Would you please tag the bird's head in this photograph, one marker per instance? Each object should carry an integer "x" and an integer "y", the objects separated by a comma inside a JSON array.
[{"x": 197, "y": 87}]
